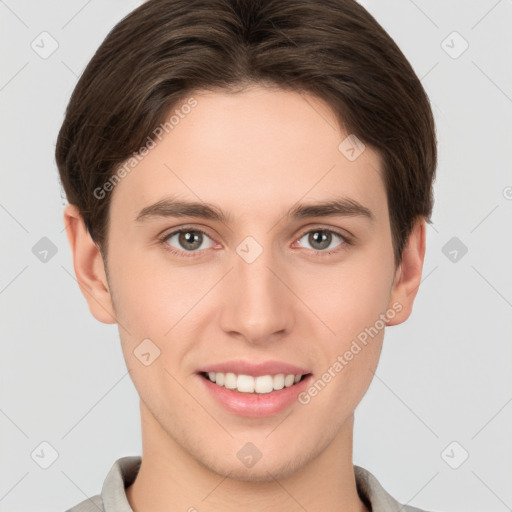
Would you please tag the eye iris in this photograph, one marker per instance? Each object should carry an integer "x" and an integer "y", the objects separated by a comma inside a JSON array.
[
  {"x": 187, "y": 238},
  {"x": 320, "y": 237}
]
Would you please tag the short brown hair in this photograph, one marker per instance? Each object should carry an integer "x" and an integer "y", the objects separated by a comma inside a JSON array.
[{"x": 166, "y": 49}]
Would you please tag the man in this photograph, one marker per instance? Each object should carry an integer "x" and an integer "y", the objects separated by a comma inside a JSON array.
[{"x": 249, "y": 183}]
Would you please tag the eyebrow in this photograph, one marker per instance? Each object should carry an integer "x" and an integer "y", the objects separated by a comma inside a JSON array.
[{"x": 342, "y": 207}]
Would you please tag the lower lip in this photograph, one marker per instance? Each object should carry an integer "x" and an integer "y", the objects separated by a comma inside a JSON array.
[{"x": 256, "y": 405}]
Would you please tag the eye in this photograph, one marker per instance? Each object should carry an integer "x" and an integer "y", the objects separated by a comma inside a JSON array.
[
  {"x": 321, "y": 239},
  {"x": 187, "y": 240}
]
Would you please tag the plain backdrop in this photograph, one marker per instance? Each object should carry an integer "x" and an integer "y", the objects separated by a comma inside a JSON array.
[{"x": 435, "y": 425}]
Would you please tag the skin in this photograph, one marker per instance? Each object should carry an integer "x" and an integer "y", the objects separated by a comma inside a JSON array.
[{"x": 254, "y": 155}]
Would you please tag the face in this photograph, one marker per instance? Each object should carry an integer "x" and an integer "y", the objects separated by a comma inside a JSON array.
[{"x": 255, "y": 277}]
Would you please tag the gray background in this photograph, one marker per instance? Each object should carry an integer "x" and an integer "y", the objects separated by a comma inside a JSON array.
[{"x": 445, "y": 375}]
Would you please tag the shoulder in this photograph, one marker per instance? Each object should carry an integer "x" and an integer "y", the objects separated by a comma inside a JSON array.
[
  {"x": 375, "y": 497},
  {"x": 93, "y": 504},
  {"x": 113, "y": 495}
]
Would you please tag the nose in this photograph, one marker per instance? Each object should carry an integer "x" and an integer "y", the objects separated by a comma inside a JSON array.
[{"x": 258, "y": 306}]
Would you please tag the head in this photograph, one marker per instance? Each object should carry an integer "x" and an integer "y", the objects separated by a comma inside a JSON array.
[{"x": 280, "y": 130}]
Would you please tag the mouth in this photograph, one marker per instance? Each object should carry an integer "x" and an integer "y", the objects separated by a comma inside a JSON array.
[{"x": 262, "y": 384}]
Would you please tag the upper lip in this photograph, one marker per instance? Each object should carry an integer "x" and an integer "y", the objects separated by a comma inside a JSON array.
[{"x": 241, "y": 367}]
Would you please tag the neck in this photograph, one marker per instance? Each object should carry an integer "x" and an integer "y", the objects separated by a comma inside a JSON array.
[{"x": 171, "y": 479}]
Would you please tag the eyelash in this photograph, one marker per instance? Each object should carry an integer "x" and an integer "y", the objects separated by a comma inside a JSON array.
[{"x": 347, "y": 241}]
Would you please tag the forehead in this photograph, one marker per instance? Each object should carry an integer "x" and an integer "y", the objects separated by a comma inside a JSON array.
[{"x": 253, "y": 153}]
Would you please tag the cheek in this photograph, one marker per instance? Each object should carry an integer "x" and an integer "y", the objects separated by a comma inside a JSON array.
[
  {"x": 349, "y": 354},
  {"x": 151, "y": 295},
  {"x": 355, "y": 308},
  {"x": 347, "y": 298},
  {"x": 152, "y": 303}
]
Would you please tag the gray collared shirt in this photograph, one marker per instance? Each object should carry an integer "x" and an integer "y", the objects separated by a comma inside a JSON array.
[{"x": 123, "y": 472}]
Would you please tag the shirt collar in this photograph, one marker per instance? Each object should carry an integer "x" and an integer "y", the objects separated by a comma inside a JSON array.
[{"x": 123, "y": 473}]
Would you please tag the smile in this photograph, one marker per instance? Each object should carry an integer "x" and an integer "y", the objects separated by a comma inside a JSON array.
[{"x": 249, "y": 384}]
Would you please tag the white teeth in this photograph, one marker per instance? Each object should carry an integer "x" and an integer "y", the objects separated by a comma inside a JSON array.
[
  {"x": 248, "y": 384},
  {"x": 264, "y": 384},
  {"x": 230, "y": 381},
  {"x": 279, "y": 381},
  {"x": 245, "y": 384},
  {"x": 289, "y": 380}
]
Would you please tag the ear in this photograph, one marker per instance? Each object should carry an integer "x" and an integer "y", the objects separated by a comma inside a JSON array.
[
  {"x": 408, "y": 274},
  {"x": 89, "y": 267}
]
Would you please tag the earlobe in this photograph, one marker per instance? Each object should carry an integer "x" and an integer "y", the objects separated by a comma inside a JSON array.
[
  {"x": 89, "y": 267},
  {"x": 408, "y": 275}
]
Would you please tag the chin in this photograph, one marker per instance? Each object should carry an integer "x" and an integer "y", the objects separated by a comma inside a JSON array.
[{"x": 263, "y": 471}]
